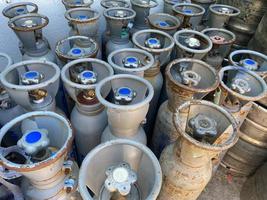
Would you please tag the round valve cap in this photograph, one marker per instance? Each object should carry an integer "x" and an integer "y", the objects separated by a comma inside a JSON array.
[
  {"x": 82, "y": 17},
  {"x": 33, "y": 141},
  {"x": 162, "y": 24},
  {"x": 120, "y": 14},
  {"x": 131, "y": 62},
  {"x": 87, "y": 77},
  {"x": 249, "y": 64},
  {"x": 124, "y": 94},
  {"x": 241, "y": 86},
  {"x": 20, "y": 11},
  {"x": 153, "y": 43},
  {"x": 192, "y": 42},
  {"x": 29, "y": 24},
  {"x": 187, "y": 11},
  {"x": 31, "y": 77},
  {"x": 76, "y": 52},
  {"x": 190, "y": 77},
  {"x": 225, "y": 10}
]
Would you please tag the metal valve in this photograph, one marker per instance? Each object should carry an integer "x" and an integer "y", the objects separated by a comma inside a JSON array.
[
  {"x": 249, "y": 64},
  {"x": 131, "y": 62},
  {"x": 82, "y": 17},
  {"x": 153, "y": 43},
  {"x": 217, "y": 39},
  {"x": 29, "y": 24},
  {"x": 120, "y": 14},
  {"x": 192, "y": 42},
  {"x": 124, "y": 95},
  {"x": 69, "y": 185},
  {"x": 190, "y": 78},
  {"x": 203, "y": 127},
  {"x": 120, "y": 179},
  {"x": 241, "y": 86},
  {"x": 33, "y": 141},
  {"x": 31, "y": 78},
  {"x": 87, "y": 77},
  {"x": 162, "y": 23},
  {"x": 225, "y": 10},
  {"x": 67, "y": 166},
  {"x": 187, "y": 11}
]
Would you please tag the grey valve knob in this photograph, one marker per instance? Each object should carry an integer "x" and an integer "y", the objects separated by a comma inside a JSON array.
[
  {"x": 120, "y": 178},
  {"x": 192, "y": 42},
  {"x": 190, "y": 78},
  {"x": 29, "y": 24},
  {"x": 203, "y": 127},
  {"x": 33, "y": 141},
  {"x": 241, "y": 86},
  {"x": 249, "y": 64},
  {"x": 31, "y": 78},
  {"x": 124, "y": 95},
  {"x": 120, "y": 14},
  {"x": 153, "y": 43},
  {"x": 131, "y": 62},
  {"x": 87, "y": 77}
]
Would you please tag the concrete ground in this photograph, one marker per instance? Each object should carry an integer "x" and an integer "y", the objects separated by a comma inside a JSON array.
[{"x": 223, "y": 187}]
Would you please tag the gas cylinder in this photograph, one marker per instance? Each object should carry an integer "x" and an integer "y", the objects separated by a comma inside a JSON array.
[
  {"x": 32, "y": 84},
  {"x": 20, "y": 8},
  {"x": 222, "y": 41},
  {"x": 205, "y": 131},
  {"x": 205, "y": 4},
  {"x": 258, "y": 41},
  {"x": 252, "y": 60},
  {"x": 186, "y": 79},
  {"x": 160, "y": 44},
  {"x": 41, "y": 156},
  {"x": 88, "y": 117},
  {"x": 120, "y": 21},
  {"x": 164, "y": 22},
  {"x": 84, "y": 22},
  {"x": 75, "y": 47},
  {"x": 245, "y": 25},
  {"x": 28, "y": 28},
  {"x": 69, "y": 4},
  {"x": 125, "y": 170},
  {"x": 142, "y": 9},
  {"x": 131, "y": 61},
  {"x": 127, "y": 106},
  {"x": 110, "y": 4},
  {"x": 8, "y": 108},
  {"x": 168, "y": 4},
  {"x": 191, "y": 44},
  {"x": 219, "y": 15},
  {"x": 189, "y": 14}
]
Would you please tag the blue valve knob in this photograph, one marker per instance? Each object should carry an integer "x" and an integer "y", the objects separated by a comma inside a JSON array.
[
  {"x": 87, "y": 77},
  {"x": 124, "y": 95},
  {"x": 31, "y": 78},
  {"x": 131, "y": 62},
  {"x": 153, "y": 43}
]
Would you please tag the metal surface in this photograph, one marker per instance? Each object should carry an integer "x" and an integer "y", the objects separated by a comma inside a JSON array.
[
  {"x": 131, "y": 61},
  {"x": 220, "y": 14},
  {"x": 47, "y": 177},
  {"x": 88, "y": 117},
  {"x": 187, "y": 163},
  {"x": 254, "y": 187},
  {"x": 142, "y": 9},
  {"x": 120, "y": 22},
  {"x": 222, "y": 41},
  {"x": 164, "y": 22},
  {"x": 125, "y": 117},
  {"x": 21, "y": 8},
  {"x": 191, "y": 44},
  {"x": 113, "y": 153},
  {"x": 36, "y": 96},
  {"x": 245, "y": 25},
  {"x": 251, "y": 149},
  {"x": 189, "y": 14},
  {"x": 114, "y": 3},
  {"x": 181, "y": 88}
]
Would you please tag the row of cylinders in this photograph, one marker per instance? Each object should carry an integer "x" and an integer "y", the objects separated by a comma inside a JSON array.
[{"x": 122, "y": 97}]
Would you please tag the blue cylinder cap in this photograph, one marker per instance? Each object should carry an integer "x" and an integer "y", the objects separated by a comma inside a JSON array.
[
  {"x": 33, "y": 137},
  {"x": 163, "y": 23},
  {"x": 153, "y": 41},
  {"x": 82, "y": 17},
  {"x": 76, "y": 51},
  {"x": 20, "y": 10},
  {"x": 124, "y": 91},
  {"x": 87, "y": 74},
  {"x": 249, "y": 62},
  {"x": 31, "y": 74},
  {"x": 187, "y": 11},
  {"x": 131, "y": 60}
]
